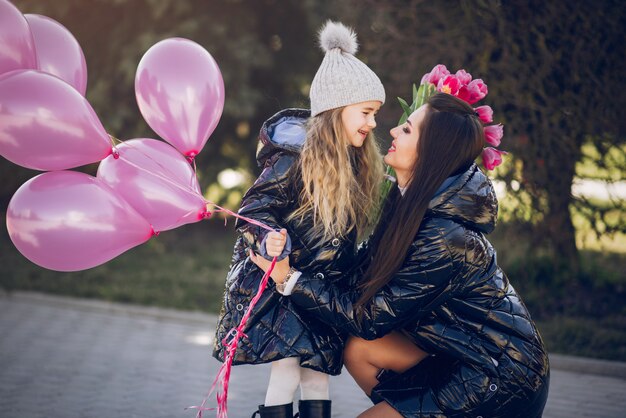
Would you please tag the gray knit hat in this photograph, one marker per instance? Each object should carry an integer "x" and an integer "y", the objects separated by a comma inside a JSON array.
[{"x": 342, "y": 79}]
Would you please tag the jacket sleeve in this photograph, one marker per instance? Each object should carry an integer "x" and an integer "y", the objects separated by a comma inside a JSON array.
[
  {"x": 266, "y": 201},
  {"x": 422, "y": 283}
]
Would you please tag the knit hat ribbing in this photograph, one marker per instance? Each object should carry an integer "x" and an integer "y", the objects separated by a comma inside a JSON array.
[{"x": 342, "y": 79}]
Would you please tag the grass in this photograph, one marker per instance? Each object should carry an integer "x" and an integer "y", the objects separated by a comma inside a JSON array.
[
  {"x": 584, "y": 315},
  {"x": 186, "y": 269},
  {"x": 584, "y": 336}
]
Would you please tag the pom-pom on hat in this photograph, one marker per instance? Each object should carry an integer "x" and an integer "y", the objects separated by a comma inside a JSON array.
[{"x": 342, "y": 79}]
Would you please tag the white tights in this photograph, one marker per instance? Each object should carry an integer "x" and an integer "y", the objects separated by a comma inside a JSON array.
[{"x": 285, "y": 376}]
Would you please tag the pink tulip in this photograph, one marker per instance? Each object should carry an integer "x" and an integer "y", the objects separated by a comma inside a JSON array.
[
  {"x": 464, "y": 77},
  {"x": 492, "y": 158},
  {"x": 425, "y": 79},
  {"x": 449, "y": 84},
  {"x": 485, "y": 113},
  {"x": 437, "y": 73},
  {"x": 493, "y": 134},
  {"x": 477, "y": 90},
  {"x": 463, "y": 94}
]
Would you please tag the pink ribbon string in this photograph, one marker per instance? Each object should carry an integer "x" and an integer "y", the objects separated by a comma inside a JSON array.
[
  {"x": 127, "y": 144},
  {"x": 222, "y": 379},
  {"x": 236, "y": 215},
  {"x": 187, "y": 189}
]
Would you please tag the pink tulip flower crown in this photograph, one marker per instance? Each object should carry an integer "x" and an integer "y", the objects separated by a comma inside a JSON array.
[{"x": 471, "y": 91}]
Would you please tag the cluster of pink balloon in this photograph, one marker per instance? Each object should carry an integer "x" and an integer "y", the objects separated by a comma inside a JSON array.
[{"x": 67, "y": 220}]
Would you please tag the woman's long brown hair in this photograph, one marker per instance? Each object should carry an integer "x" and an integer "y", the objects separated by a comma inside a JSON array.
[{"x": 450, "y": 138}]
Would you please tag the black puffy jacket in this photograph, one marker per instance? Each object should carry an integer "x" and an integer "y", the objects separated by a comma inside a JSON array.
[
  {"x": 451, "y": 298},
  {"x": 276, "y": 329}
]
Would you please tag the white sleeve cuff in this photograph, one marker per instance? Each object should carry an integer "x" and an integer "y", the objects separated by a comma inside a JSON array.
[{"x": 291, "y": 283}]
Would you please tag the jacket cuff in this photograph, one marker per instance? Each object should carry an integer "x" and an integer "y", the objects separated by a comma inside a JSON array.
[
  {"x": 282, "y": 256},
  {"x": 298, "y": 285},
  {"x": 291, "y": 283}
]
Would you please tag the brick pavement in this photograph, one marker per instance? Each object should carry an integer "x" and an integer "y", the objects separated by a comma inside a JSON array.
[{"x": 73, "y": 358}]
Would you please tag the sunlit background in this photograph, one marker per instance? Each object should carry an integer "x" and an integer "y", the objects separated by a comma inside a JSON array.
[{"x": 555, "y": 75}]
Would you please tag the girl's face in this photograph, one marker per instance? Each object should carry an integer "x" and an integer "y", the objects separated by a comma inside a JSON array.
[
  {"x": 358, "y": 120},
  {"x": 403, "y": 151}
]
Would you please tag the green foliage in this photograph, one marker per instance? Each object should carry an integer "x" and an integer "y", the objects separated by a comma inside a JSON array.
[
  {"x": 406, "y": 110},
  {"x": 185, "y": 269},
  {"x": 551, "y": 68},
  {"x": 580, "y": 336},
  {"x": 420, "y": 95},
  {"x": 602, "y": 159},
  {"x": 600, "y": 223}
]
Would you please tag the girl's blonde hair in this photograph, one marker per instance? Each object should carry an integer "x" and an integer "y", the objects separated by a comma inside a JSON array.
[{"x": 341, "y": 183}]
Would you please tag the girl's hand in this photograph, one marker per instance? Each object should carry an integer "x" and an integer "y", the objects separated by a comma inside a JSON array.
[
  {"x": 275, "y": 243},
  {"x": 281, "y": 269}
]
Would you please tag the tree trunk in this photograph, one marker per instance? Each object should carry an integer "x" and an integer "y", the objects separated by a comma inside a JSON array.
[{"x": 557, "y": 229}]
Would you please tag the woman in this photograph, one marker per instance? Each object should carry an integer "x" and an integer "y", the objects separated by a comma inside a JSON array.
[{"x": 439, "y": 331}]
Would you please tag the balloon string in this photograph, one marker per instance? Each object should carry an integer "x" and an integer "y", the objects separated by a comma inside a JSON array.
[
  {"x": 236, "y": 215},
  {"x": 222, "y": 378},
  {"x": 114, "y": 140},
  {"x": 191, "y": 158},
  {"x": 114, "y": 151},
  {"x": 116, "y": 155}
]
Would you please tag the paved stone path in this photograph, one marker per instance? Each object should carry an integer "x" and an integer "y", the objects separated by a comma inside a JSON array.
[{"x": 72, "y": 358}]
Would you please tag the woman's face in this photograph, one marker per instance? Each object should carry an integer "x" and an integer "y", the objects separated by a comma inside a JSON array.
[
  {"x": 358, "y": 120},
  {"x": 403, "y": 151}
]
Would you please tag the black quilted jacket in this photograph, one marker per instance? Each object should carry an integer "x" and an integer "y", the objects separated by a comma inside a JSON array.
[
  {"x": 276, "y": 329},
  {"x": 451, "y": 298}
]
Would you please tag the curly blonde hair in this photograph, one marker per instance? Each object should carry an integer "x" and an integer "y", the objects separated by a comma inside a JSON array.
[{"x": 341, "y": 183}]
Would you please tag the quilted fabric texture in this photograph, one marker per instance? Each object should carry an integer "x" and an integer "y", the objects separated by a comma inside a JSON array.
[
  {"x": 451, "y": 298},
  {"x": 276, "y": 329}
]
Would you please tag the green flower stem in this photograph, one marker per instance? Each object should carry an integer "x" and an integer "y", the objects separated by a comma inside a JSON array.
[{"x": 420, "y": 96}]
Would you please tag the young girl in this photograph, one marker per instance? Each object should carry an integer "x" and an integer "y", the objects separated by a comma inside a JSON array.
[{"x": 319, "y": 186}]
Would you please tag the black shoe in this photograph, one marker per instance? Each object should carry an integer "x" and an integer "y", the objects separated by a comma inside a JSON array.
[
  {"x": 277, "y": 411},
  {"x": 314, "y": 409}
]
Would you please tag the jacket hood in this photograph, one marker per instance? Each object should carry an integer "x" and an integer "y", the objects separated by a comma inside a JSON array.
[
  {"x": 285, "y": 131},
  {"x": 470, "y": 199}
]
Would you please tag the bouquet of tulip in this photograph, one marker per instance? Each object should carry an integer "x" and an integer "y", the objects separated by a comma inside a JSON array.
[{"x": 471, "y": 91}]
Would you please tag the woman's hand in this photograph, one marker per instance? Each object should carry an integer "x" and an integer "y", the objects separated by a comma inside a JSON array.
[
  {"x": 275, "y": 242},
  {"x": 280, "y": 269}
]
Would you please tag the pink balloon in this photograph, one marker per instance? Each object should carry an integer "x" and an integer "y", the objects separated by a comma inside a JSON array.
[
  {"x": 157, "y": 181},
  {"x": 70, "y": 221},
  {"x": 180, "y": 93},
  {"x": 17, "y": 47},
  {"x": 45, "y": 124},
  {"x": 58, "y": 52}
]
